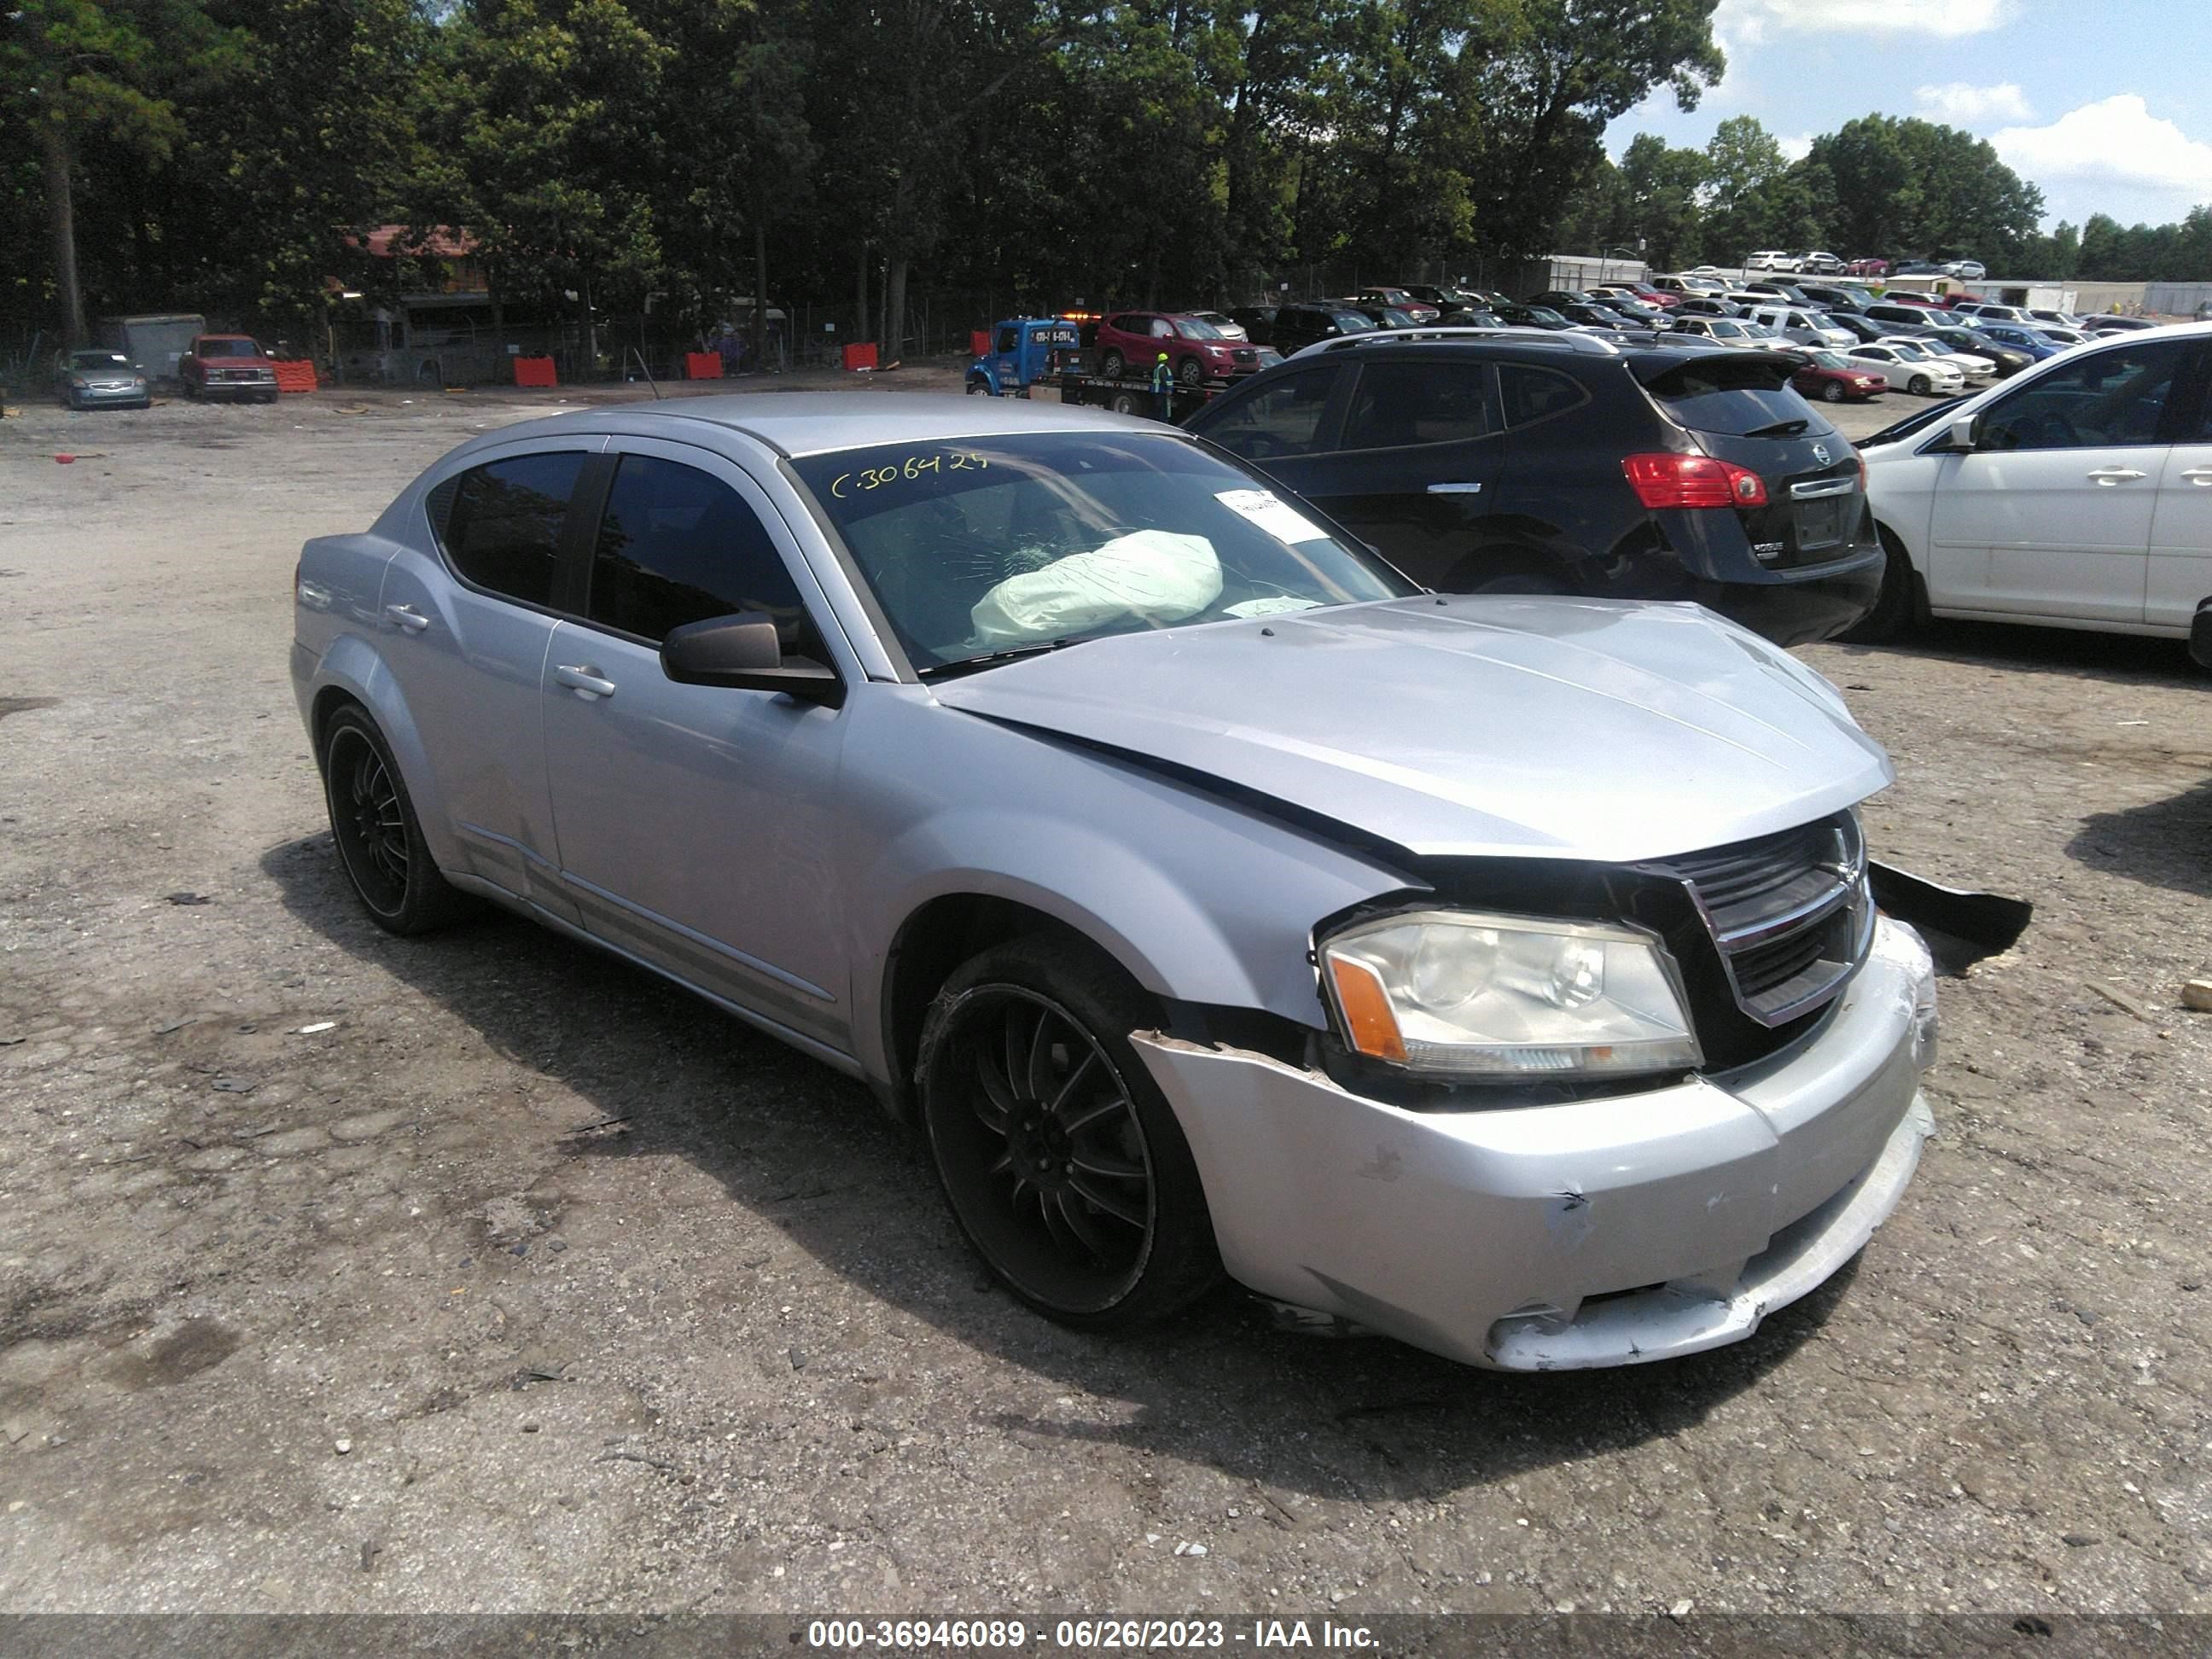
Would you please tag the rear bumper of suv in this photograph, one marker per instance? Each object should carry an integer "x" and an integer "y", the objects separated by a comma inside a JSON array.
[
  {"x": 1596, "y": 1232},
  {"x": 1801, "y": 607}
]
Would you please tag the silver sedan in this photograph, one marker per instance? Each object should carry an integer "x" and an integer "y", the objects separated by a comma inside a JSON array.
[
  {"x": 94, "y": 377},
  {"x": 1497, "y": 973}
]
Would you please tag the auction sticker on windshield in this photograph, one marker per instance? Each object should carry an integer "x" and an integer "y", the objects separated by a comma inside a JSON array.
[{"x": 1272, "y": 514}]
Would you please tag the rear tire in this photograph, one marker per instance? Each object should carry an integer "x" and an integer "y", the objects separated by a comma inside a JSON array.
[
  {"x": 1061, "y": 1159},
  {"x": 1110, "y": 364},
  {"x": 1896, "y": 610},
  {"x": 1125, "y": 402},
  {"x": 379, "y": 838}
]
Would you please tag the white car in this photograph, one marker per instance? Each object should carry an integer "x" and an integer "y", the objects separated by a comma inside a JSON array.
[
  {"x": 1819, "y": 263},
  {"x": 1803, "y": 325},
  {"x": 2078, "y": 493},
  {"x": 1976, "y": 369},
  {"x": 1967, "y": 271},
  {"x": 1910, "y": 366},
  {"x": 1735, "y": 331},
  {"x": 1772, "y": 259}
]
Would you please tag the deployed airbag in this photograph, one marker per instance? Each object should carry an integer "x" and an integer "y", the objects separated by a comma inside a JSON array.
[{"x": 1146, "y": 572}]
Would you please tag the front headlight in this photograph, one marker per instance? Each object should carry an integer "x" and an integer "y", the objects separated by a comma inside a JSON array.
[{"x": 1491, "y": 997}]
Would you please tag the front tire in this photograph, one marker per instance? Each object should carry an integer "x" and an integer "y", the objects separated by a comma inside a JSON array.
[
  {"x": 1833, "y": 392},
  {"x": 379, "y": 838},
  {"x": 1919, "y": 386},
  {"x": 1062, "y": 1161},
  {"x": 1190, "y": 371},
  {"x": 979, "y": 388}
]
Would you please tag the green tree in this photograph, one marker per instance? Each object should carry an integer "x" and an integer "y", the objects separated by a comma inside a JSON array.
[
  {"x": 72, "y": 68},
  {"x": 1660, "y": 187},
  {"x": 1914, "y": 188},
  {"x": 1554, "y": 74}
]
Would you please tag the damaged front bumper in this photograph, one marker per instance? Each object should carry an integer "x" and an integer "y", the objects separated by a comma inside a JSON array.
[{"x": 1598, "y": 1232}]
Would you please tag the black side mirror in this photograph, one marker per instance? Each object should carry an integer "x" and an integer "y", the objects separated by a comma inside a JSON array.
[{"x": 742, "y": 651}]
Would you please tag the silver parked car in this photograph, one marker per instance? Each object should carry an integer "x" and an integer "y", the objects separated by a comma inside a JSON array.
[
  {"x": 94, "y": 377},
  {"x": 1497, "y": 973}
]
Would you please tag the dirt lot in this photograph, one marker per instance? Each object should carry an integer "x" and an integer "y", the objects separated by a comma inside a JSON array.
[{"x": 343, "y": 1273}]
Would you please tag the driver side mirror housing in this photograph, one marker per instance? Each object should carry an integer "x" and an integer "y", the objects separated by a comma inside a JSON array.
[
  {"x": 742, "y": 651},
  {"x": 1961, "y": 434}
]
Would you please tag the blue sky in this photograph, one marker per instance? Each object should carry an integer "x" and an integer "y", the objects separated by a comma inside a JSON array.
[{"x": 2102, "y": 104}]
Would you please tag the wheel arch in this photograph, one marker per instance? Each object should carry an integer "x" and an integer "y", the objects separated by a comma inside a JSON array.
[
  {"x": 352, "y": 672},
  {"x": 929, "y": 948}
]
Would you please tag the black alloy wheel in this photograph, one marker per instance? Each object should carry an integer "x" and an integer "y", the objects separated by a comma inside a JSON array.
[
  {"x": 1063, "y": 1163},
  {"x": 380, "y": 841}
]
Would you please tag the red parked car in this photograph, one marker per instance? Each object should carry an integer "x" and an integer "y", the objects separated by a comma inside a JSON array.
[
  {"x": 1644, "y": 291},
  {"x": 1953, "y": 302},
  {"x": 1132, "y": 341},
  {"x": 227, "y": 366},
  {"x": 1867, "y": 268},
  {"x": 1834, "y": 378}
]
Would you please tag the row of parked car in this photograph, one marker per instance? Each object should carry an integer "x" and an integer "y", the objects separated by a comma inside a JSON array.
[
  {"x": 215, "y": 366},
  {"x": 1820, "y": 262}
]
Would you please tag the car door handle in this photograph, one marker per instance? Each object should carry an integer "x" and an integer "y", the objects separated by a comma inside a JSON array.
[
  {"x": 2199, "y": 476},
  {"x": 585, "y": 679},
  {"x": 1455, "y": 489},
  {"x": 2113, "y": 475},
  {"x": 406, "y": 617}
]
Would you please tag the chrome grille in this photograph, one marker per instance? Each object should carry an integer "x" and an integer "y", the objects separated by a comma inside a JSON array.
[{"x": 1790, "y": 912}]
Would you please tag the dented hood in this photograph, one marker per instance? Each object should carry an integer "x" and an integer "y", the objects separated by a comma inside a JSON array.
[{"x": 1468, "y": 726}]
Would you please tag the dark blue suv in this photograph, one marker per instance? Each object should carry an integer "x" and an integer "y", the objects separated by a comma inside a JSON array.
[{"x": 1565, "y": 464}]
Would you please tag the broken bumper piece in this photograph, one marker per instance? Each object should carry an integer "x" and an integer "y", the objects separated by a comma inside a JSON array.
[{"x": 1597, "y": 1232}]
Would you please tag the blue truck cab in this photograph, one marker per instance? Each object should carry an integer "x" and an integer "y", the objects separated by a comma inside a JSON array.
[{"x": 1023, "y": 351}]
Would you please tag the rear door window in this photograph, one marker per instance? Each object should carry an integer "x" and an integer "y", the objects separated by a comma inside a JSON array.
[
  {"x": 1432, "y": 400},
  {"x": 502, "y": 522},
  {"x": 1282, "y": 417},
  {"x": 677, "y": 545},
  {"x": 1528, "y": 394}
]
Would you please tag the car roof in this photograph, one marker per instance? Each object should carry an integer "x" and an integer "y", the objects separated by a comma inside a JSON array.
[{"x": 794, "y": 423}]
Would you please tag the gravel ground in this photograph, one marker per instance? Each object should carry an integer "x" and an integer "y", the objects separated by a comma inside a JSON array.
[{"x": 340, "y": 1273}]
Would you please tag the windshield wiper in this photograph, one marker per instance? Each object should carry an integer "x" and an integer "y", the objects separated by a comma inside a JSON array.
[
  {"x": 1779, "y": 430},
  {"x": 993, "y": 659}
]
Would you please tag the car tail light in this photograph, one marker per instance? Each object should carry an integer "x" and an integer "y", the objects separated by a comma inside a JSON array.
[{"x": 1664, "y": 479}]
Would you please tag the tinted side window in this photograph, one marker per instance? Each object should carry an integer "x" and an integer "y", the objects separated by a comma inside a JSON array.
[
  {"x": 1281, "y": 418},
  {"x": 1009, "y": 338},
  {"x": 503, "y": 530},
  {"x": 676, "y": 546},
  {"x": 2104, "y": 399},
  {"x": 1531, "y": 394},
  {"x": 1419, "y": 401}
]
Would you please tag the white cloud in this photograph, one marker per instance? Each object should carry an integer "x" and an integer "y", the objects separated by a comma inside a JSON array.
[
  {"x": 1747, "y": 21},
  {"x": 1797, "y": 148},
  {"x": 1963, "y": 102},
  {"x": 2116, "y": 156}
]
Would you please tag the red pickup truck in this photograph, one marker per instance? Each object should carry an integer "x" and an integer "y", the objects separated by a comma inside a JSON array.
[{"x": 227, "y": 366}]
